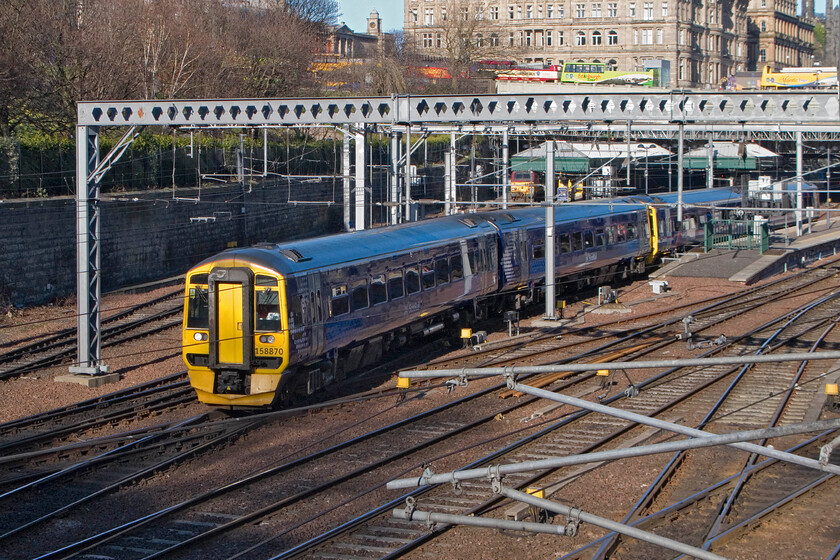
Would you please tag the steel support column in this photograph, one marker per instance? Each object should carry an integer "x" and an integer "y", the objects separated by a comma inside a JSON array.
[
  {"x": 346, "y": 178},
  {"x": 393, "y": 210},
  {"x": 359, "y": 187},
  {"x": 408, "y": 177},
  {"x": 505, "y": 168},
  {"x": 798, "y": 183},
  {"x": 550, "y": 199},
  {"x": 88, "y": 360},
  {"x": 710, "y": 165},
  {"x": 680, "y": 171}
]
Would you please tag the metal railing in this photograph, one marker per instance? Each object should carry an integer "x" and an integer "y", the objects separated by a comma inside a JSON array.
[{"x": 736, "y": 234}]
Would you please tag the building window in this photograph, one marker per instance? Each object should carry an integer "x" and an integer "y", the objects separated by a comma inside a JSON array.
[
  {"x": 762, "y": 55},
  {"x": 430, "y": 16},
  {"x": 596, "y": 37},
  {"x": 519, "y": 12},
  {"x": 763, "y": 26},
  {"x": 664, "y": 8},
  {"x": 413, "y": 16},
  {"x": 560, "y": 40},
  {"x": 427, "y": 40},
  {"x": 549, "y": 11},
  {"x": 612, "y": 9},
  {"x": 647, "y": 36},
  {"x": 658, "y": 36},
  {"x": 465, "y": 14},
  {"x": 635, "y": 36},
  {"x": 443, "y": 13},
  {"x": 647, "y": 11},
  {"x": 596, "y": 9},
  {"x": 763, "y": 3},
  {"x": 439, "y": 40},
  {"x": 548, "y": 38},
  {"x": 580, "y": 39},
  {"x": 510, "y": 12},
  {"x": 494, "y": 12},
  {"x": 580, "y": 10},
  {"x": 539, "y": 12},
  {"x": 528, "y": 38},
  {"x": 529, "y": 11},
  {"x": 561, "y": 11},
  {"x": 612, "y": 38},
  {"x": 510, "y": 39},
  {"x": 631, "y": 9},
  {"x": 682, "y": 36}
]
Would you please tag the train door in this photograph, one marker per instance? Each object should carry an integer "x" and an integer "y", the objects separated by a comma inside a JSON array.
[
  {"x": 231, "y": 318},
  {"x": 317, "y": 314}
]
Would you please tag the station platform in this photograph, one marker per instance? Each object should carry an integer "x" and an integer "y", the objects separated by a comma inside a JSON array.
[{"x": 821, "y": 239}]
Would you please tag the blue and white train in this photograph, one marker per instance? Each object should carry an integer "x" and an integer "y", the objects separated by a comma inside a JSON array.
[{"x": 266, "y": 323}]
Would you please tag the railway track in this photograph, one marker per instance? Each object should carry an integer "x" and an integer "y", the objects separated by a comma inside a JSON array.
[
  {"x": 141, "y": 320},
  {"x": 672, "y": 392},
  {"x": 286, "y": 500}
]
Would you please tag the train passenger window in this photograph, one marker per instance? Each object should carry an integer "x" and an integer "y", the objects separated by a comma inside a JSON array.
[
  {"x": 428, "y": 276},
  {"x": 577, "y": 241},
  {"x": 539, "y": 249},
  {"x": 456, "y": 267},
  {"x": 395, "y": 284},
  {"x": 631, "y": 232},
  {"x": 442, "y": 271},
  {"x": 565, "y": 243},
  {"x": 198, "y": 309},
  {"x": 199, "y": 279},
  {"x": 378, "y": 291},
  {"x": 588, "y": 239},
  {"x": 296, "y": 312},
  {"x": 268, "y": 310},
  {"x": 359, "y": 295},
  {"x": 340, "y": 301},
  {"x": 412, "y": 280},
  {"x": 600, "y": 238},
  {"x": 472, "y": 260},
  {"x": 263, "y": 280},
  {"x": 620, "y": 233}
]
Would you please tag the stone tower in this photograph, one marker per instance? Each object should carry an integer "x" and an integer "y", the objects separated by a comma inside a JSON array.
[{"x": 374, "y": 23}]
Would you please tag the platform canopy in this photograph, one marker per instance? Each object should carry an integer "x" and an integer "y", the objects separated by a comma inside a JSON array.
[
  {"x": 578, "y": 157},
  {"x": 728, "y": 155}
]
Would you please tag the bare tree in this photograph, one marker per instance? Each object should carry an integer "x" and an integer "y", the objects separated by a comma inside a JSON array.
[
  {"x": 467, "y": 31},
  {"x": 323, "y": 12}
]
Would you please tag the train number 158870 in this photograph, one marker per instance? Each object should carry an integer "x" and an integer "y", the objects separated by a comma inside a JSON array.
[{"x": 268, "y": 351}]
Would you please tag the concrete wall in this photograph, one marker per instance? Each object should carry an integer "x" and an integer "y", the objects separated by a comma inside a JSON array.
[{"x": 152, "y": 235}]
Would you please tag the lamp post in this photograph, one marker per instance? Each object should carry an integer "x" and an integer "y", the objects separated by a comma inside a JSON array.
[{"x": 646, "y": 147}]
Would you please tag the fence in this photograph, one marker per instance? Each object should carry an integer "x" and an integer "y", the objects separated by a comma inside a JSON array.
[{"x": 737, "y": 234}]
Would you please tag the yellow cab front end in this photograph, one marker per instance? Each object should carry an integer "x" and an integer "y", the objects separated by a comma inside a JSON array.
[{"x": 235, "y": 333}]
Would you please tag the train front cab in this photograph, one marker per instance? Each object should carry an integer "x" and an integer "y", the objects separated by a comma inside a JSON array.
[{"x": 235, "y": 336}]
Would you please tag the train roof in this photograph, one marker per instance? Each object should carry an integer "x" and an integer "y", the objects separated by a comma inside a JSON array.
[
  {"x": 700, "y": 196},
  {"x": 292, "y": 257}
]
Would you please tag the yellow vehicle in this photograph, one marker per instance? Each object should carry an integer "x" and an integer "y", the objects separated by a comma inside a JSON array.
[{"x": 814, "y": 77}]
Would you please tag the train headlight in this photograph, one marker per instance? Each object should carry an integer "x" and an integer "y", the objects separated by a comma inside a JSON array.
[
  {"x": 267, "y": 339},
  {"x": 200, "y": 337}
]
